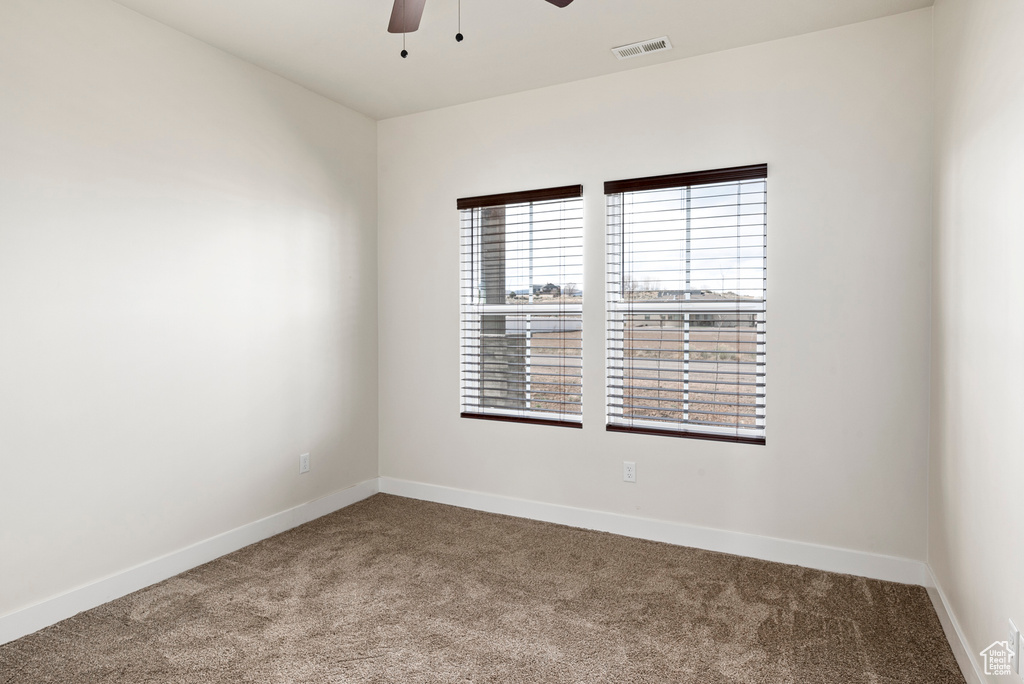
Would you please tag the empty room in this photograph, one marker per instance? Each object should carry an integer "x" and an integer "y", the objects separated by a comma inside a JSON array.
[{"x": 558, "y": 341}]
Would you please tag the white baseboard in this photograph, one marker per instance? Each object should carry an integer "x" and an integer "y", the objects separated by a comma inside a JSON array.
[
  {"x": 875, "y": 566},
  {"x": 954, "y": 635},
  {"x": 35, "y": 617}
]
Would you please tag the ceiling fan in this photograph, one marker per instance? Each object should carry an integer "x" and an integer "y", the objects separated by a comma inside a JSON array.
[{"x": 406, "y": 15}]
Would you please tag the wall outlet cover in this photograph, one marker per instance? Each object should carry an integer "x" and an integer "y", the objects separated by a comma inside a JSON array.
[
  {"x": 629, "y": 471},
  {"x": 304, "y": 463}
]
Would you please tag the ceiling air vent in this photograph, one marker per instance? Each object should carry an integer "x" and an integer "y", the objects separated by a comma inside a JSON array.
[{"x": 644, "y": 47}]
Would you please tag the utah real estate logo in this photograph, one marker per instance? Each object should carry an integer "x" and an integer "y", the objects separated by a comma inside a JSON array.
[{"x": 998, "y": 659}]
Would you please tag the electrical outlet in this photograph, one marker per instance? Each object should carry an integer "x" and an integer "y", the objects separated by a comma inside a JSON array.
[
  {"x": 1013, "y": 641},
  {"x": 629, "y": 471},
  {"x": 304, "y": 463}
]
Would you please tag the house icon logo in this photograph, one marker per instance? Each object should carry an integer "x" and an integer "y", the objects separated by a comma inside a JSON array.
[{"x": 998, "y": 659}]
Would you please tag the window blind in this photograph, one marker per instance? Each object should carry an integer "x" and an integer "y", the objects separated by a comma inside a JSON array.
[
  {"x": 687, "y": 304},
  {"x": 522, "y": 306}
]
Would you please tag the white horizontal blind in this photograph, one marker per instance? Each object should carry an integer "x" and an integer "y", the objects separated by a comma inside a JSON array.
[
  {"x": 522, "y": 306},
  {"x": 686, "y": 293}
]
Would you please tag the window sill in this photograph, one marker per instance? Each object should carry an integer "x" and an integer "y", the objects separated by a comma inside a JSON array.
[
  {"x": 519, "y": 419},
  {"x": 757, "y": 441}
]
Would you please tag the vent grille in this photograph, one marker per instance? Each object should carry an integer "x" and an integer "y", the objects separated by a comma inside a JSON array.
[{"x": 644, "y": 47}]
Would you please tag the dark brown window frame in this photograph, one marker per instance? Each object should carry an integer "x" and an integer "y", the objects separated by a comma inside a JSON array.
[
  {"x": 709, "y": 436},
  {"x": 520, "y": 419},
  {"x": 674, "y": 180},
  {"x": 563, "y": 192},
  {"x": 501, "y": 200}
]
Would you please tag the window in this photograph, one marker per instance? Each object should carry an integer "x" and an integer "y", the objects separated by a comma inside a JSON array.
[
  {"x": 522, "y": 306},
  {"x": 686, "y": 285}
]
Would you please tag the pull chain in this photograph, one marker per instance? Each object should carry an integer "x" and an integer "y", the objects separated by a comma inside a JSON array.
[
  {"x": 458, "y": 36},
  {"x": 405, "y": 53}
]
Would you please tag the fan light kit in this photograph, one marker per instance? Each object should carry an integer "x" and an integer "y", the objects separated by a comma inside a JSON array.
[{"x": 406, "y": 15}]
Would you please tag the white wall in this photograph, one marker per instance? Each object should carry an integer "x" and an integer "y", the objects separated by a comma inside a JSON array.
[
  {"x": 976, "y": 547},
  {"x": 187, "y": 294},
  {"x": 843, "y": 118}
]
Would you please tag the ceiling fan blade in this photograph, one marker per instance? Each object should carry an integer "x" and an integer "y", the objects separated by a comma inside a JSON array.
[
  {"x": 406, "y": 14},
  {"x": 560, "y": 3}
]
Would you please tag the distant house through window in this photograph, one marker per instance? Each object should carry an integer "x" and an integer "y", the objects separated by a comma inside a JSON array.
[
  {"x": 687, "y": 304},
  {"x": 522, "y": 306}
]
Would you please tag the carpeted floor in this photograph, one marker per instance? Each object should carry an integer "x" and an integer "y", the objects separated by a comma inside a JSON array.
[{"x": 396, "y": 590}]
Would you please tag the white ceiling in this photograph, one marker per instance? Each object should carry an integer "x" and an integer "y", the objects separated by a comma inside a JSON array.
[{"x": 341, "y": 48}]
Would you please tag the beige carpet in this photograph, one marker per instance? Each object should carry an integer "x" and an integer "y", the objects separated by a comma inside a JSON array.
[{"x": 396, "y": 590}]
